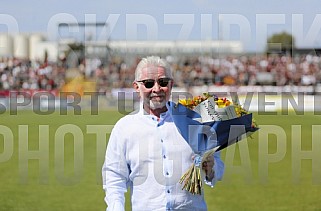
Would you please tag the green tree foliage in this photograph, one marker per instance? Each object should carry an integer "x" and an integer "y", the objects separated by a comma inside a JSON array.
[{"x": 281, "y": 42}]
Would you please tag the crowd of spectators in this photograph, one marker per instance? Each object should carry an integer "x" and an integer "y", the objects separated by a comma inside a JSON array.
[
  {"x": 19, "y": 74},
  {"x": 276, "y": 70}
]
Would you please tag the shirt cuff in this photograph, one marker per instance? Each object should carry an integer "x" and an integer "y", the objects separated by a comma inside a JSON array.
[{"x": 116, "y": 206}]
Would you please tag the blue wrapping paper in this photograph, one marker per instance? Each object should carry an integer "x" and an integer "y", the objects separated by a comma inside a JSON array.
[{"x": 207, "y": 136}]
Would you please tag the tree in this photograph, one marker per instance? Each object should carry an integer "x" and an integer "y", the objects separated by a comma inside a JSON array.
[{"x": 280, "y": 43}]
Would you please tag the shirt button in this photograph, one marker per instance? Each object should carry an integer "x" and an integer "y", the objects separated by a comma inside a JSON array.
[
  {"x": 162, "y": 140},
  {"x": 164, "y": 156},
  {"x": 168, "y": 191},
  {"x": 167, "y": 173}
]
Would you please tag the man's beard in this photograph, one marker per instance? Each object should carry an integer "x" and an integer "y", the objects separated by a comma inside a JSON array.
[{"x": 155, "y": 104}]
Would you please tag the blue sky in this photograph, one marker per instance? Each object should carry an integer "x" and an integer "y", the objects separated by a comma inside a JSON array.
[{"x": 246, "y": 20}]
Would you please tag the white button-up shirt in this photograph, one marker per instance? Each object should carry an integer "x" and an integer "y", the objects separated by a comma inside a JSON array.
[{"x": 149, "y": 157}]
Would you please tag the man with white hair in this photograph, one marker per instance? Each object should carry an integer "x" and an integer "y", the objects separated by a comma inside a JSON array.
[{"x": 147, "y": 154}]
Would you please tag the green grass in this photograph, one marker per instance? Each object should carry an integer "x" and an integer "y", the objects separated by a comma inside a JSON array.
[
  {"x": 243, "y": 187},
  {"x": 278, "y": 190}
]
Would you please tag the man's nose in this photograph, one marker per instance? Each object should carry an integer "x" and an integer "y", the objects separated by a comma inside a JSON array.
[{"x": 156, "y": 87}]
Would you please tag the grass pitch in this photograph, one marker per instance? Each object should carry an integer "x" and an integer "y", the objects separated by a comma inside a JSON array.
[{"x": 38, "y": 171}]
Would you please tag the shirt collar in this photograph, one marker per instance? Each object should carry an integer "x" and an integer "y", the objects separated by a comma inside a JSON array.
[{"x": 163, "y": 116}]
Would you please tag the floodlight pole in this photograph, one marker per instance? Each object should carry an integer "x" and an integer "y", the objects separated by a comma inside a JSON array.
[{"x": 84, "y": 25}]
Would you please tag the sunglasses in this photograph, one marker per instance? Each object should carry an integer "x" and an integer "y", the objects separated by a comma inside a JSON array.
[{"x": 149, "y": 83}]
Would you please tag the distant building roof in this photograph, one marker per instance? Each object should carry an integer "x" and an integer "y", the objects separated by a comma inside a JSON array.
[{"x": 169, "y": 47}]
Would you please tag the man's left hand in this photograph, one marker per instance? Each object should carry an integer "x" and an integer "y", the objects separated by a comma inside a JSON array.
[{"x": 207, "y": 166}]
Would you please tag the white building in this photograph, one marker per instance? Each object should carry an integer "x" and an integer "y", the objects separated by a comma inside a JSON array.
[
  {"x": 34, "y": 46},
  {"x": 177, "y": 47},
  {"x": 28, "y": 46}
]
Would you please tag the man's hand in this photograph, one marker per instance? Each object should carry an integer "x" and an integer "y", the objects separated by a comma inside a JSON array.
[{"x": 207, "y": 166}]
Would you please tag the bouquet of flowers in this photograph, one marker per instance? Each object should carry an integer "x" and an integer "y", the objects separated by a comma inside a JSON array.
[{"x": 209, "y": 124}]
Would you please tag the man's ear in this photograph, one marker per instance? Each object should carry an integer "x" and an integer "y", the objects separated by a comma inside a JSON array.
[
  {"x": 171, "y": 83},
  {"x": 136, "y": 86}
]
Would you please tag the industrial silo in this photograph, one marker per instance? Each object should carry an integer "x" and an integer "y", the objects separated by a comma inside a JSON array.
[
  {"x": 34, "y": 46},
  {"x": 6, "y": 45},
  {"x": 21, "y": 46}
]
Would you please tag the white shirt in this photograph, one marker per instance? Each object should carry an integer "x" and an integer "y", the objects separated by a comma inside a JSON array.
[{"x": 149, "y": 157}]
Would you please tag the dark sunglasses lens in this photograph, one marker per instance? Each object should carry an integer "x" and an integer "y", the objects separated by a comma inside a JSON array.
[
  {"x": 163, "y": 82},
  {"x": 149, "y": 83}
]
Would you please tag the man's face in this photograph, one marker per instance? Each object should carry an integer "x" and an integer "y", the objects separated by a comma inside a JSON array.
[{"x": 154, "y": 97}]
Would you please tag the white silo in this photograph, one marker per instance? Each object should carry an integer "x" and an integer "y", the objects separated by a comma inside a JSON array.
[
  {"x": 6, "y": 45},
  {"x": 34, "y": 41},
  {"x": 21, "y": 46}
]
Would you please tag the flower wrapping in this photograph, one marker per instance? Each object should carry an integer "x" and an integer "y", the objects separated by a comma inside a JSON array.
[
  {"x": 210, "y": 111},
  {"x": 209, "y": 125}
]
